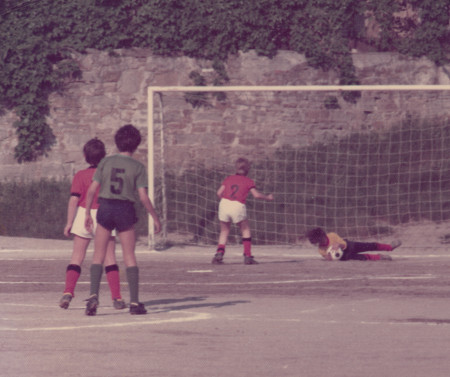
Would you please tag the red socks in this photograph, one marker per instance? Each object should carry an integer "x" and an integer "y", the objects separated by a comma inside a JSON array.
[
  {"x": 73, "y": 272},
  {"x": 221, "y": 249},
  {"x": 384, "y": 247},
  {"x": 112, "y": 275},
  {"x": 247, "y": 242}
]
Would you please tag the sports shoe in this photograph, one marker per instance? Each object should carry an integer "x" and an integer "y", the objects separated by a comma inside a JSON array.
[
  {"x": 249, "y": 260},
  {"x": 218, "y": 259},
  {"x": 65, "y": 300},
  {"x": 395, "y": 244},
  {"x": 118, "y": 303},
  {"x": 385, "y": 257},
  {"x": 91, "y": 305},
  {"x": 138, "y": 308}
]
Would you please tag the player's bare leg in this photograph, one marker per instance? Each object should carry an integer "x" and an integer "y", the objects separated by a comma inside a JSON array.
[
  {"x": 224, "y": 232},
  {"x": 80, "y": 246},
  {"x": 128, "y": 242},
  {"x": 223, "y": 237},
  {"x": 101, "y": 240},
  {"x": 110, "y": 257},
  {"x": 245, "y": 229}
]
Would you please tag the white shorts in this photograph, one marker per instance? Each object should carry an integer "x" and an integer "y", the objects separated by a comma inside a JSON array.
[
  {"x": 232, "y": 211},
  {"x": 78, "y": 224}
]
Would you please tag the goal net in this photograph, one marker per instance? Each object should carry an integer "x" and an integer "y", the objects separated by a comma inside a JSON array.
[{"x": 359, "y": 170}]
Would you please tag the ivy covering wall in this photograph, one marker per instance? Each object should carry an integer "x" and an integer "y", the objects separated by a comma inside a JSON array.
[{"x": 38, "y": 37}]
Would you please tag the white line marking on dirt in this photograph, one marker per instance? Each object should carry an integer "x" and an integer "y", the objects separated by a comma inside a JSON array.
[
  {"x": 193, "y": 317},
  {"x": 199, "y": 271},
  {"x": 420, "y": 277},
  {"x": 27, "y": 305},
  {"x": 301, "y": 320},
  {"x": 29, "y": 259}
]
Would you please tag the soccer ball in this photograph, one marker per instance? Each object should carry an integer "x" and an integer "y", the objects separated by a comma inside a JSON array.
[{"x": 335, "y": 253}]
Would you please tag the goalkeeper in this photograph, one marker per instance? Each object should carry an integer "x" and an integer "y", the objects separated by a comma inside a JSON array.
[
  {"x": 233, "y": 194},
  {"x": 351, "y": 249}
]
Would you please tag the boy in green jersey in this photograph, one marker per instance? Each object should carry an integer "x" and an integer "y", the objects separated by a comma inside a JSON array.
[{"x": 122, "y": 181}]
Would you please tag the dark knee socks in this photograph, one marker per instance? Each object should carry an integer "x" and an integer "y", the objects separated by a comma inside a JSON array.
[
  {"x": 96, "y": 277},
  {"x": 133, "y": 283}
]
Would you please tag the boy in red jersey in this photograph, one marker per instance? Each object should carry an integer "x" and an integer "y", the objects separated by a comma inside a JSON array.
[
  {"x": 122, "y": 181},
  {"x": 233, "y": 194},
  {"x": 94, "y": 151},
  {"x": 351, "y": 249}
]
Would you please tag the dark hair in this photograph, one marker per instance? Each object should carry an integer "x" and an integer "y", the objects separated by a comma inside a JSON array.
[
  {"x": 316, "y": 236},
  {"x": 127, "y": 138},
  {"x": 242, "y": 166},
  {"x": 94, "y": 151}
]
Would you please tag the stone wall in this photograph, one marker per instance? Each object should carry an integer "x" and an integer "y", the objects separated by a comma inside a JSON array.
[{"x": 113, "y": 92}]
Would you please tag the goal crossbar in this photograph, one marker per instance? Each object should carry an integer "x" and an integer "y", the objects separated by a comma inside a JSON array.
[{"x": 285, "y": 88}]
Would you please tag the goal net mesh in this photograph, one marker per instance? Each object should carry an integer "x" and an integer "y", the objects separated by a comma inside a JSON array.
[{"x": 361, "y": 182}]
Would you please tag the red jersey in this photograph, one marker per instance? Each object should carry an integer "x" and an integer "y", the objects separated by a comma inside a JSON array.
[
  {"x": 237, "y": 187},
  {"x": 80, "y": 184}
]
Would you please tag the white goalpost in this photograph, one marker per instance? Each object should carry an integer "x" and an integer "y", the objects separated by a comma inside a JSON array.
[{"x": 315, "y": 184}]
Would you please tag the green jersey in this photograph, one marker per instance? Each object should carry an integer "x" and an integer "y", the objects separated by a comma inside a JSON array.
[{"x": 120, "y": 176}]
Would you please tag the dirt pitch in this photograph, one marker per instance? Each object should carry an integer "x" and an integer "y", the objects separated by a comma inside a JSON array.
[{"x": 291, "y": 315}]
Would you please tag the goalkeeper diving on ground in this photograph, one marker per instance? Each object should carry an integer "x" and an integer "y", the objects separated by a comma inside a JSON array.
[{"x": 328, "y": 243}]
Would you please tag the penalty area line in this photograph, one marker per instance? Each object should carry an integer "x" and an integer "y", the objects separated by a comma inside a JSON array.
[
  {"x": 276, "y": 282},
  {"x": 192, "y": 318},
  {"x": 184, "y": 283}
]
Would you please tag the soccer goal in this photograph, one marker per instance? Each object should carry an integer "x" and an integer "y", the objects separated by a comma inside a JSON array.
[{"x": 363, "y": 178}]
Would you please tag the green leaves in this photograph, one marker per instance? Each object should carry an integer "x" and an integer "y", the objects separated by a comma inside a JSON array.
[
  {"x": 38, "y": 36},
  {"x": 430, "y": 34},
  {"x": 413, "y": 27},
  {"x": 34, "y": 65}
]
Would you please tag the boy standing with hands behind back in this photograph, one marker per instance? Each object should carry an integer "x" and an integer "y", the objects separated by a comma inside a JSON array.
[{"x": 122, "y": 181}]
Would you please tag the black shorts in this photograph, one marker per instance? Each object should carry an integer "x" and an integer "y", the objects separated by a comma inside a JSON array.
[
  {"x": 354, "y": 249},
  {"x": 116, "y": 214}
]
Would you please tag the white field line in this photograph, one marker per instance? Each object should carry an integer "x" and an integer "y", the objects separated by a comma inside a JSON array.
[
  {"x": 191, "y": 318},
  {"x": 265, "y": 282}
]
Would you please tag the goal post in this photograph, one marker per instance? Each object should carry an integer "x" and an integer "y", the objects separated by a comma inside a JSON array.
[{"x": 264, "y": 89}]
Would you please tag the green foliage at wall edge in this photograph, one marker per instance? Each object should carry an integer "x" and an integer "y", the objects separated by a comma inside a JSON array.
[{"x": 39, "y": 38}]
